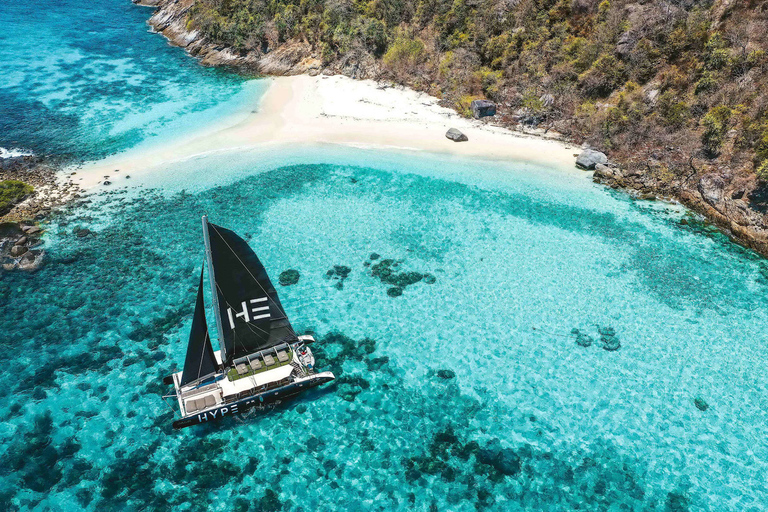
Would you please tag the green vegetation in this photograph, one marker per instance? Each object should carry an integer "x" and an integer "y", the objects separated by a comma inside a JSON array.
[
  {"x": 627, "y": 76},
  {"x": 11, "y": 192}
]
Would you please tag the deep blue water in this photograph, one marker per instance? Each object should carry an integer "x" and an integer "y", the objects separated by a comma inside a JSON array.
[{"x": 469, "y": 393}]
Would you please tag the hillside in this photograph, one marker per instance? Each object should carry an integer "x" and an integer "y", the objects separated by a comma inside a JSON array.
[{"x": 673, "y": 91}]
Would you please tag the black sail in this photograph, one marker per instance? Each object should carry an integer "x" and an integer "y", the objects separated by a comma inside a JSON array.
[
  {"x": 200, "y": 362},
  {"x": 252, "y": 317}
]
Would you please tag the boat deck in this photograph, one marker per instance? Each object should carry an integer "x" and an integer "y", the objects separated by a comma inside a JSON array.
[{"x": 224, "y": 389}]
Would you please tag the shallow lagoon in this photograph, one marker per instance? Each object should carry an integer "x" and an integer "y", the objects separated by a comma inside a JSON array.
[
  {"x": 473, "y": 393},
  {"x": 85, "y": 80}
]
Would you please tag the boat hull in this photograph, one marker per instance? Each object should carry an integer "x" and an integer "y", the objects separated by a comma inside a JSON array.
[{"x": 272, "y": 398}]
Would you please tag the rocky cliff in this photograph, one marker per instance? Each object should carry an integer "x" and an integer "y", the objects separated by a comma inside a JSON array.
[{"x": 172, "y": 19}]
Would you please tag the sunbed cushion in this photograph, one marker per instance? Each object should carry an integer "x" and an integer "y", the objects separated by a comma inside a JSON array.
[
  {"x": 269, "y": 360},
  {"x": 191, "y": 406},
  {"x": 241, "y": 369},
  {"x": 209, "y": 401},
  {"x": 282, "y": 356},
  {"x": 255, "y": 364}
]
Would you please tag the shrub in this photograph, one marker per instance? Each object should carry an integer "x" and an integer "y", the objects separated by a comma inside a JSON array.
[
  {"x": 405, "y": 53},
  {"x": 674, "y": 112},
  {"x": 706, "y": 83},
  {"x": 375, "y": 36},
  {"x": 718, "y": 55},
  {"x": 605, "y": 75},
  {"x": 762, "y": 171},
  {"x": 464, "y": 105},
  {"x": 11, "y": 192},
  {"x": 715, "y": 125},
  {"x": 489, "y": 81}
]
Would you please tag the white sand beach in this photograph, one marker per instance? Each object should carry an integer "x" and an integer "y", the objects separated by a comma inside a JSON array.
[{"x": 338, "y": 110}]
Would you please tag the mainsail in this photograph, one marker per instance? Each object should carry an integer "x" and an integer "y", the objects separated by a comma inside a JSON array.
[
  {"x": 251, "y": 316},
  {"x": 200, "y": 362}
]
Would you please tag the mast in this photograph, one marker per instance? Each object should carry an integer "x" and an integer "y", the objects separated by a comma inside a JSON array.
[{"x": 214, "y": 293}]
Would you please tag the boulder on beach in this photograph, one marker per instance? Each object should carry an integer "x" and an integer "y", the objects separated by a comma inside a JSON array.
[
  {"x": 482, "y": 108},
  {"x": 589, "y": 158},
  {"x": 455, "y": 135}
]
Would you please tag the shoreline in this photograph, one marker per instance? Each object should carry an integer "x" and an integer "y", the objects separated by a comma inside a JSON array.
[
  {"x": 726, "y": 199},
  {"x": 337, "y": 110}
]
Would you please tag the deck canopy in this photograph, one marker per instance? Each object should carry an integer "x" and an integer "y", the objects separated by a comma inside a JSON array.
[{"x": 251, "y": 316}]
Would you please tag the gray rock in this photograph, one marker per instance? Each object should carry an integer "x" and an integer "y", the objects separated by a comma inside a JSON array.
[
  {"x": 626, "y": 43},
  {"x": 483, "y": 108},
  {"x": 31, "y": 230},
  {"x": 21, "y": 241},
  {"x": 651, "y": 96},
  {"x": 589, "y": 158},
  {"x": 31, "y": 261},
  {"x": 455, "y": 135},
  {"x": 711, "y": 188},
  {"x": 18, "y": 250},
  {"x": 547, "y": 100}
]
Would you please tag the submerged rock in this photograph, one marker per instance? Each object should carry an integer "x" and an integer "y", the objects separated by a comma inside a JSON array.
[
  {"x": 455, "y": 135},
  {"x": 583, "y": 340},
  {"x": 609, "y": 339},
  {"x": 387, "y": 270},
  {"x": 446, "y": 374},
  {"x": 700, "y": 404},
  {"x": 289, "y": 277},
  {"x": 339, "y": 273},
  {"x": 503, "y": 460},
  {"x": 589, "y": 158}
]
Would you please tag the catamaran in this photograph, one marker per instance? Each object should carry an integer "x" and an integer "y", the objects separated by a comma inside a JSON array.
[{"x": 261, "y": 361}]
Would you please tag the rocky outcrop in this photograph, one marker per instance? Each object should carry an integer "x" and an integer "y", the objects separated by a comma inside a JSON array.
[
  {"x": 293, "y": 58},
  {"x": 735, "y": 205},
  {"x": 456, "y": 135},
  {"x": 50, "y": 190},
  {"x": 16, "y": 247}
]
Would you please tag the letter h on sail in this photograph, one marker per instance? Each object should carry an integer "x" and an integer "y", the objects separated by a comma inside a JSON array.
[{"x": 254, "y": 309}]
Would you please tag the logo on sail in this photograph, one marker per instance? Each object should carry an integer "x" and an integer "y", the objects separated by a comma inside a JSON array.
[{"x": 254, "y": 309}]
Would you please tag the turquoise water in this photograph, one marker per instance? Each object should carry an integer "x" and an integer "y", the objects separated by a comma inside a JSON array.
[
  {"x": 490, "y": 388},
  {"x": 473, "y": 394},
  {"x": 85, "y": 80}
]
